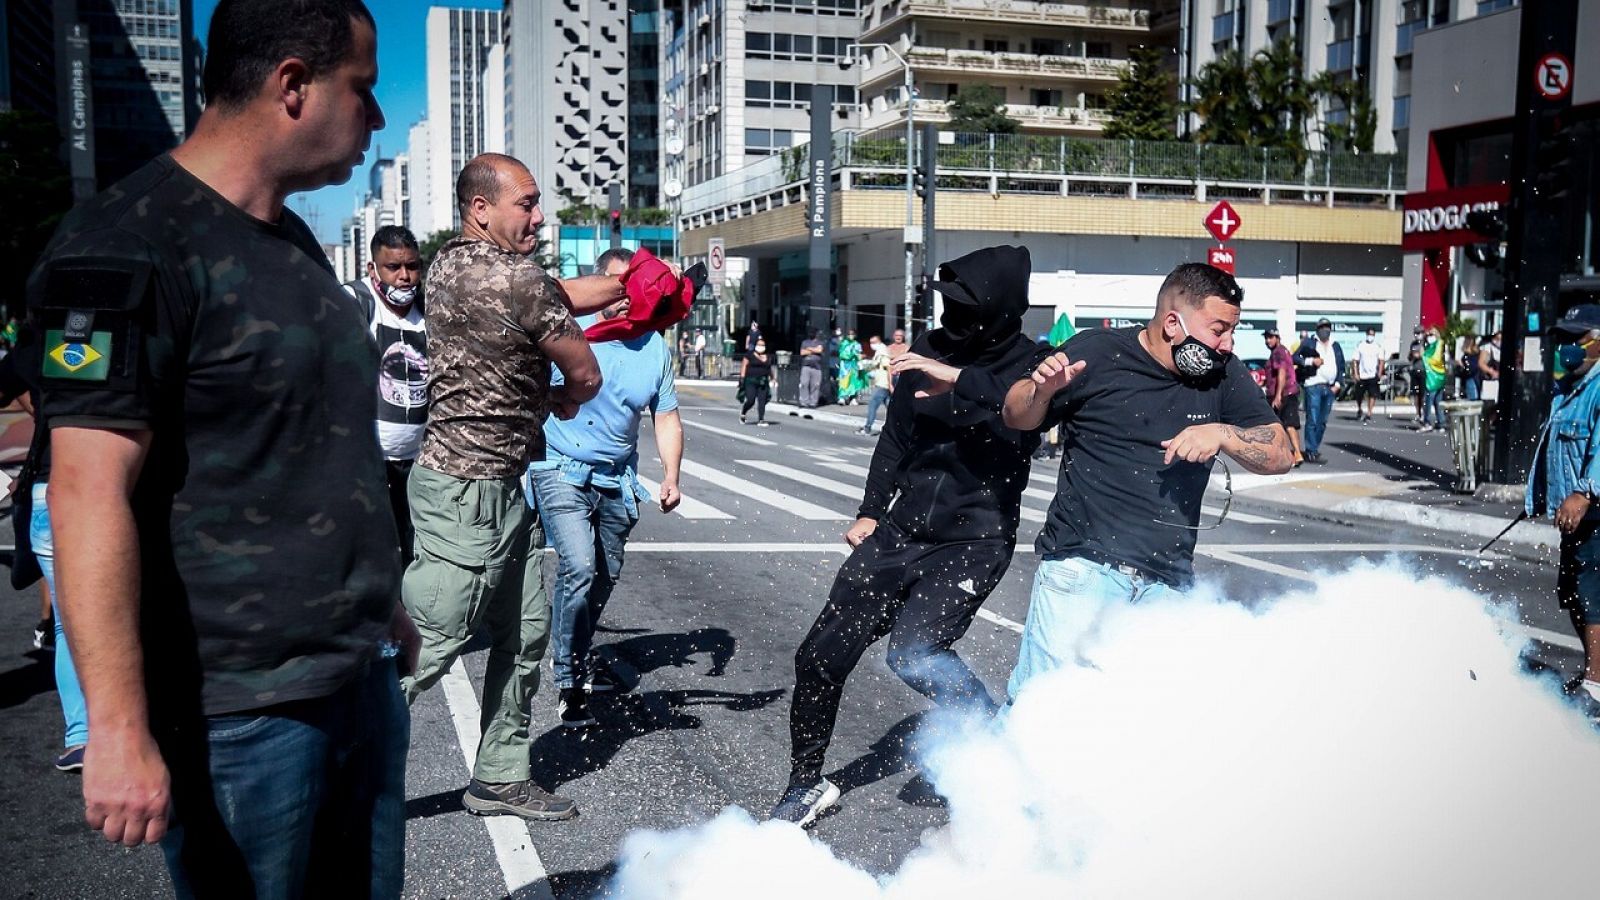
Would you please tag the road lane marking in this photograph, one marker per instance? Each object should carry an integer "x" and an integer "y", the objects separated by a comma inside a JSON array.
[
  {"x": 1000, "y": 620},
  {"x": 762, "y": 494},
  {"x": 688, "y": 507},
  {"x": 851, "y": 491},
  {"x": 1030, "y": 515},
  {"x": 1553, "y": 638},
  {"x": 759, "y": 442},
  {"x": 513, "y": 846},
  {"x": 722, "y": 547}
]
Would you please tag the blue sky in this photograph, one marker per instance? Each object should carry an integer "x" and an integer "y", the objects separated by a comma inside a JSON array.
[{"x": 402, "y": 91}]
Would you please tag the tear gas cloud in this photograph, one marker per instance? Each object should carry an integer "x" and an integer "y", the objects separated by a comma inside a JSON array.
[{"x": 1374, "y": 737}]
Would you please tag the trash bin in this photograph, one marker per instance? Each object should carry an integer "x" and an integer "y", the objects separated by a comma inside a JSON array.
[{"x": 1466, "y": 438}]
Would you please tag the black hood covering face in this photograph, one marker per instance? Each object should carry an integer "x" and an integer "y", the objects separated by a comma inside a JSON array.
[{"x": 985, "y": 295}]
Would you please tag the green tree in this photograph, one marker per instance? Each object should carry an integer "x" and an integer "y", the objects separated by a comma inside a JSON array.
[
  {"x": 1282, "y": 100},
  {"x": 1259, "y": 102},
  {"x": 1360, "y": 125},
  {"x": 1141, "y": 105},
  {"x": 429, "y": 247},
  {"x": 1222, "y": 100},
  {"x": 978, "y": 110},
  {"x": 38, "y": 192}
]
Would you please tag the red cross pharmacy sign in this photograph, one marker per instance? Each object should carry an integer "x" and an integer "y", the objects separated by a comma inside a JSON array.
[{"x": 1222, "y": 221}]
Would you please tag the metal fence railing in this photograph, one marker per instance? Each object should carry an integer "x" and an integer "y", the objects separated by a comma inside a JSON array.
[
  {"x": 1045, "y": 164},
  {"x": 1059, "y": 155}
]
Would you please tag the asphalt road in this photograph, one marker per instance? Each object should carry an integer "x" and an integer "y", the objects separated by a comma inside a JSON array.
[{"x": 711, "y": 605}]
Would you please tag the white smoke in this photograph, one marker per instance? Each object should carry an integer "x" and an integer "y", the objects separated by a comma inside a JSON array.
[{"x": 1376, "y": 737}]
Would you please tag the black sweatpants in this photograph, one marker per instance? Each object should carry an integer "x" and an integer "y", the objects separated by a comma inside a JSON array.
[
  {"x": 923, "y": 595},
  {"x": 398, "y": 470}
]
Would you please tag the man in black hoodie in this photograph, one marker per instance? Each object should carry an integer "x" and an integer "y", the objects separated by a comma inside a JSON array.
[{"x": 936, "y": 529}]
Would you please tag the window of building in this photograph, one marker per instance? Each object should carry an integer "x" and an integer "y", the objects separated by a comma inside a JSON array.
[
  {"x": 1402, "y": 113},
  {"x": 1101, "y": 49},
  {"x": 1042, "y": 47},
  {"x": 1042, "y": 97}
]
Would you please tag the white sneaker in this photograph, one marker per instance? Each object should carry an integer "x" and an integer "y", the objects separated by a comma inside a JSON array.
[{"x": 801, "y": 804}]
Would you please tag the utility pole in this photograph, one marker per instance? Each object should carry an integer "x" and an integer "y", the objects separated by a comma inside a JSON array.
[
  {"x": 1537, "y": 229},
  {"x": 928, "y": 179}
]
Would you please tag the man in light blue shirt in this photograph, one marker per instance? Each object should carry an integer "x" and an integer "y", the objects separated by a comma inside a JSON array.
[{"x": 587, "y": 491}]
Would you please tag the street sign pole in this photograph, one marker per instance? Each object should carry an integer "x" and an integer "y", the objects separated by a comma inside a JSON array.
[{"x": 1537, "y": 234}]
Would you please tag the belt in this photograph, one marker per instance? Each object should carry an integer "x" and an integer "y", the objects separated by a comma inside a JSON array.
[{"x": 1136, "y": 574}]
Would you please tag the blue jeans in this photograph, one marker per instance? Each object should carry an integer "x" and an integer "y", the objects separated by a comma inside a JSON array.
[
  {"x": 1430, "y": 404},
  {"x": 878, "y": 399},
  {"x": 588, "y": 527},
  {"x": 307, "y": 799},
  {"x": 73, "y": 708},
  {"x": 1069, "y": 597},
  {"x": 1319, "y": 405},
  {"x": 1470, "y": 389}
]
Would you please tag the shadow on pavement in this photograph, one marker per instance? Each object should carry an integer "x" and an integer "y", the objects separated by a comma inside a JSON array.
[
  {"x": 576, "y": 885},
  {"x": 37, "y": 676},
  {"x": 648, "y": 652},
  {"x": 889, "y": 755},
  {"x": 1409, "y": 468},
  {"x": 567, "y": 754}
]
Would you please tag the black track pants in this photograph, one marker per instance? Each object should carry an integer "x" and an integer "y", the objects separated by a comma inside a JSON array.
[{"x": 923, "y": 596}]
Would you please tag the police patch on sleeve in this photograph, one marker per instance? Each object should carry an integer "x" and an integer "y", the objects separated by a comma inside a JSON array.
[{"x": 77, "y": 360}]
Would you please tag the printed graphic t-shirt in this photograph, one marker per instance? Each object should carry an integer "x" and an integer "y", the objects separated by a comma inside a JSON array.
[{"x": 402, "y": 343}]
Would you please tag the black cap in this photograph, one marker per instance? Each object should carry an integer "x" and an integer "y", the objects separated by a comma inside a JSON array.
[
  {"x": 1579, "y": 319},
  {"x": 1270, "y": 332},
  {"x": 1321, "y": 323}
]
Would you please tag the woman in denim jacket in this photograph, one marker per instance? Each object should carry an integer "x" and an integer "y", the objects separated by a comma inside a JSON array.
[{"x": 1565, "y": 483}]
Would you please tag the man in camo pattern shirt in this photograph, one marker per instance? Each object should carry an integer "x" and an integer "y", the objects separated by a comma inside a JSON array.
[{"x": 496, "y": 322}]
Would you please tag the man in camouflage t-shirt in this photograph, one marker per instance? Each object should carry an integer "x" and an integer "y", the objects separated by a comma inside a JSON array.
[{"x": 496, "y": 322}]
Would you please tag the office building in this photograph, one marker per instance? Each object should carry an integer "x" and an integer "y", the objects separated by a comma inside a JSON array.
[
  {"x": 419, "y": 212},
  {"x": 459, "y": 46},
  {"x": 28, "y": 57},
  {"x": 568, "y": 96},
  {"x": 737, "y": 78}
]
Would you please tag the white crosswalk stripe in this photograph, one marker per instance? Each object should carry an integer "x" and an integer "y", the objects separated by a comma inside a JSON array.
[
  {"x": 1028, "y": 515},
  {"x": 688, "y": 507},
  {"x": 760, "y": 494},
  {"x": 748, "y": 439}
]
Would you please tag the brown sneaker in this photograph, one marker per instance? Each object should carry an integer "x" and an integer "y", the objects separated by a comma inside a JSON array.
[{"x": 519, "y": 798}]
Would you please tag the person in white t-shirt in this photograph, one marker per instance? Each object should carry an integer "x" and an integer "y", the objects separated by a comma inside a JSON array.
[
  {"x": 391, "y": 299},
  {"x": 1489, "y": 368},
  {"x": 1369, "y": 374}
]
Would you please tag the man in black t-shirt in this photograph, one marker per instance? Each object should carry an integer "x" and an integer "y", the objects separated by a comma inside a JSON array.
[
  {"x": 228, "y": 566},
  {"x": 1143, "y": 412}
]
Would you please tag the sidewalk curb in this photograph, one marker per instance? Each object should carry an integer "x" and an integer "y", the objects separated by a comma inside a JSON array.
[
  {"x": 1525, "y": 542},
  {"x": 1527, "y": 533}
]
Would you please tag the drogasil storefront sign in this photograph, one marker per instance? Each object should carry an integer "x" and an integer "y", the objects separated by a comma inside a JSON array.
[{"x": 1435, "y": 219}]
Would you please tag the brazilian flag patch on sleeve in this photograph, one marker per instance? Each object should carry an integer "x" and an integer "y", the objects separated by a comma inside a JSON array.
[{"x": 77, "y": 361}]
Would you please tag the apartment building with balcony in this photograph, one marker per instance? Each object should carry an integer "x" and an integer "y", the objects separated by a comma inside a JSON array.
[
  {"x": 1052, "y": 62},
  {"x": 737, "y": 78},
  {"x": 1369, "y": 41}
]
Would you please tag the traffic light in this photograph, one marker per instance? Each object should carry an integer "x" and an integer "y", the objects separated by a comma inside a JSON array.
[
  {"x": 614, "y": 201},
  {"x": 920, "y": 180},
  {"x": 1490, "y": 223}
]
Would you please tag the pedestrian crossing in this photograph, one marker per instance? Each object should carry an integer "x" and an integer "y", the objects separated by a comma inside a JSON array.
[{"x": 749, "y": 488}]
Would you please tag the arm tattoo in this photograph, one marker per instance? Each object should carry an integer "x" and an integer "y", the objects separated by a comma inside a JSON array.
[
  {"x": 1255, "y": 445},
  {"x": 1261, "y": 434},
  {"x": 567, "y": 329}
]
